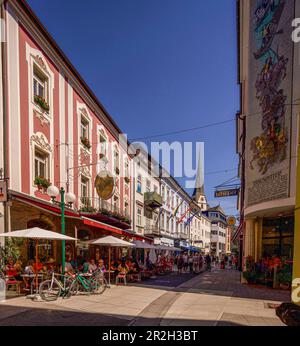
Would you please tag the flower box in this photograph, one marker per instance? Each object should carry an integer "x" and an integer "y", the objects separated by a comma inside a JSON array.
[
  {"x": 42, "y": 183},
  {"x": 42, "y": 103}
]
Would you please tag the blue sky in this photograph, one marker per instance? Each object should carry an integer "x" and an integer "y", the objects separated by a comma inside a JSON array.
[{"x": 158, "y": 66}]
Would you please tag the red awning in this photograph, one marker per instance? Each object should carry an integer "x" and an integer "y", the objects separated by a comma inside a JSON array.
[
  {"x": 50, "y": 207},
  {"x": 238, "y": 232},
  {"x": 113, "y": 229}
]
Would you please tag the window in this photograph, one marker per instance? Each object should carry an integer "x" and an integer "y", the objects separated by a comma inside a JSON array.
[
  {"x": 126, "y": 209},
  {"x": 84, "y": 128},
  {"x": 139, "y": 184},
  {"x": 139, "y": 216},
  {"x": 116, "y": 204},
  {"x": 126, "y": 169},
  {"x": 163, "y": 192},
  {"x": 162, "y": 220},
  {"x": 148, "y": 185},
  {"x": 116, "y": 161},
  {"x": 172, "y": 199},
  {"x": 172, "y": 225},
  {"x": 40, "y": 83},
  {"x": 41, "y": 164},
  {"x": 168, "y": 223},
  {"x": 155, "y": 188},
  {"x": 168, "y": 197},
  {"x": 84, "y": 190},
  {"x": 103, "y": 143}
]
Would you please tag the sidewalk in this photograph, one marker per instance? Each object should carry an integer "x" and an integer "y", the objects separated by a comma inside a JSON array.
[
  {"x": 211, "y": 298},
  {"x": 218, "y": 298}
]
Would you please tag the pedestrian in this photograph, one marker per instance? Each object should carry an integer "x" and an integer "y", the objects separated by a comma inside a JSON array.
[
  {"x": 190, "y": 261},
  {"x": 185, "y": 262},
  {"x": 208, "y": 262},
  {"x": 180, "y": 264}
]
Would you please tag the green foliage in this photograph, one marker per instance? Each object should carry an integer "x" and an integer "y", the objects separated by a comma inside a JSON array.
[
  {"x": 41, "y": 181},
  {"x": 41, "y": 102},
  {"x": 11, "y": 249},
  {"x": 249, "y": 275}
]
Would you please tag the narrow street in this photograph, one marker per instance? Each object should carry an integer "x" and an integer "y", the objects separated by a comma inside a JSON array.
[{"x": 211, "y": 298}]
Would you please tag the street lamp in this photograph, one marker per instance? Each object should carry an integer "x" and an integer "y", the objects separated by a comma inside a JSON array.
[{"x": 67, "y": 198}]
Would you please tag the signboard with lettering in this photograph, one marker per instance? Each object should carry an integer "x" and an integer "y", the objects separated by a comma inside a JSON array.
[
  {"x": 3, "y": 191},
  {"x": 227, "y": 193}
]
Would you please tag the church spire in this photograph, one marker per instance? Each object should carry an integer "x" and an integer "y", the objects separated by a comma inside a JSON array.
[{"x": 199, "y": 194}]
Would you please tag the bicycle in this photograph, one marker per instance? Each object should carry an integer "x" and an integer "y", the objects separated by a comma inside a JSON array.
[
  {"x": 50, "y": 290},
  {"x": 95, "y": 283}
]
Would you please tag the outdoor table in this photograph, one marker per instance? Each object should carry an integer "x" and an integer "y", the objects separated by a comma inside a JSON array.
[{"x": 32, "y": 276}]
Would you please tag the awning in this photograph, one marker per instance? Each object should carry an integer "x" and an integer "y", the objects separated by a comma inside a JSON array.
[
  {"x": 113, "y": 229},
  {"x": 238, "y": 232},
  {"x": 43, "y": 205},
  {"x": 194, "y": 249},
  {"x": 143, "y": 245}
]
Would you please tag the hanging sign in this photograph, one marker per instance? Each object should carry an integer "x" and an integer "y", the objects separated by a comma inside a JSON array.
[
  {"x": 105, "y": 184},
  {"x": 227, "y": 193}
]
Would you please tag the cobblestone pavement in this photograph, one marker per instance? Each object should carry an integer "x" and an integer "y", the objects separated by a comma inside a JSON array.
[{"x": 211, "y": 298}]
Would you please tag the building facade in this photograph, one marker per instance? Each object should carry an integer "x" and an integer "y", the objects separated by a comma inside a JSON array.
[
  {"x": 267, "y": 127},
  {"x": 218, "y": 230},
  {"x": 55, "y": 132}
]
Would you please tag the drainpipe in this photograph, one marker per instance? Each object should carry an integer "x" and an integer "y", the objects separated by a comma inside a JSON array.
[{"x": 5, "y": 115}]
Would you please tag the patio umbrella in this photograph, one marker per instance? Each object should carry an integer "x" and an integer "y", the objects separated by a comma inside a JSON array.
[
  {"x": 141, "y": 245},
  {"x": 111, "y": 241},
  {"x": 36, "y": 233}
]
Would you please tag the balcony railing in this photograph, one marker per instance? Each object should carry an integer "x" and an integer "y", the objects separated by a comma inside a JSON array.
[
  {"x": 93, "y": 205},
  {"x": 153, "y": 200},
  {"x": 151, "y": 230}
]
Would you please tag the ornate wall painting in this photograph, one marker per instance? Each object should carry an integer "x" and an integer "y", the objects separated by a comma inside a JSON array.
[{"x": 270, "y": 57}]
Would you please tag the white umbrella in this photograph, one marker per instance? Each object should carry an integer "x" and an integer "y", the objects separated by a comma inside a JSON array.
[
  {"x": 141, "y": 245},
  {"x": 36, "y": 233},
  {"x": 111, "y": 241}
]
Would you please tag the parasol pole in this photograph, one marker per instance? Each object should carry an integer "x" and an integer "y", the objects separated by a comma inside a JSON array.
[
  {"x": 36, "y": 264},
  {"x": 109, "y": 266}
]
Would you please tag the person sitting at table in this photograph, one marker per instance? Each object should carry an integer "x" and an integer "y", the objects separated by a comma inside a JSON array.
[
  {"x": 28, "y": 271},
  {"x": 92, "y": 266},
  {"x": 101, "y": 265},
  {"x": 123, "y": 268},
  {"x": 85, "y": 266}
]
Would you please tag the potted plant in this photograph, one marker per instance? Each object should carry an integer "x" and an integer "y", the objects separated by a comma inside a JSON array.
[
  {"x": 85, "y": 142},
  {"x": 41, "y": 102},
  {"x": 284, "y": 278},
  {"x": 117, "y": 170},
  {"x": 250, "y": 276},
  {"x": 42, "y": 183},
  {"x": 127, "y": 180}
]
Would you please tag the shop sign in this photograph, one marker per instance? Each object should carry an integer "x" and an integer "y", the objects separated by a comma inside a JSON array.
[
  {"x": 3, "y": 191},
  {"x": 226, "y": 193},
  {"x": 231, "y": 220}
]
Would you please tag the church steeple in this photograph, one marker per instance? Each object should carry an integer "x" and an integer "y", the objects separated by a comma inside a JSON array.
[{"x": 199, "y": 194}]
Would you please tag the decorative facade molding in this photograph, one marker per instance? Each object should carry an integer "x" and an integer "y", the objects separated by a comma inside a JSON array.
[
  {"x": 85, "y": 171},
  {"x": 41, "y": 141},
  {"x": 41, "y": 117}
]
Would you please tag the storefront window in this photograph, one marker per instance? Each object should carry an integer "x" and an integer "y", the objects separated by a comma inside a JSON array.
[{"x": 278, "y": 237}]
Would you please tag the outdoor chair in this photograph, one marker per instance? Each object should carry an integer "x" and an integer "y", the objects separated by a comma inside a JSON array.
[
  {"x": 121, "y": 277},
  {"x": 12, "y": 282}
]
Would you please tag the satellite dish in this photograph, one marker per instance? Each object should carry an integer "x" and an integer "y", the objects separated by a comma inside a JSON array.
[{"x": 105, "y": 184}]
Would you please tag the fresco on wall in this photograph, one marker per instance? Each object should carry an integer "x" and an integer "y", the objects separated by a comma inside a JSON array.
[
  {"x": 270, "y": 90},
  {"x": 270, "y": 147}
]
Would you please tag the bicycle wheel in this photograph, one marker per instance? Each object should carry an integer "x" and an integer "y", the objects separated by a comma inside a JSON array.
[
  {"x": 49, "y": 290},
  {"x": 73, "y": 288},
  {"x": 98, "y": 285}
]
